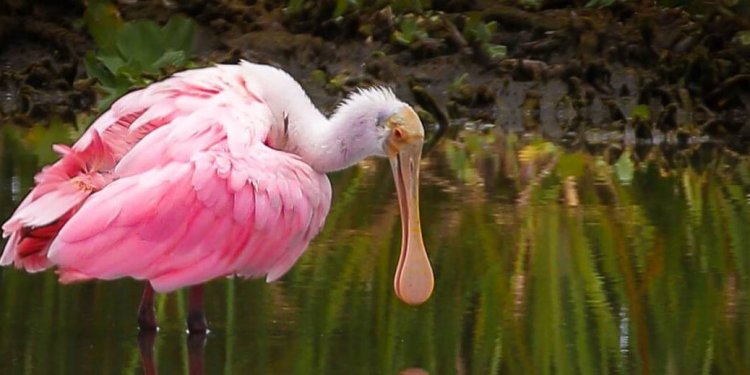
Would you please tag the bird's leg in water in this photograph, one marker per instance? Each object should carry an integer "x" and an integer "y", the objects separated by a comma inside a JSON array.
[
  {"x": 146, "y": 315},
  {"x": 146, "y": 346},
  {"x": 196, "y": 343},
  {"x": 196, "y": 319}
]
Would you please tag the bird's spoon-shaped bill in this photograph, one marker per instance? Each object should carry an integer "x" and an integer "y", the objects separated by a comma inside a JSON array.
[{"x": 413, "y": 282}]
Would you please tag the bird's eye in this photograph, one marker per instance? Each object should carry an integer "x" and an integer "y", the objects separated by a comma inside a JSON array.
[{"x": 398, "y": 133}]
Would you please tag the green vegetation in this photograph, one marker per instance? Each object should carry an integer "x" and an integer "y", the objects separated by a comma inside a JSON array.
[
  {"x": 40, "y": 138},
  {"x": 135, "y": 53},
  {"x": 699, "y": 6},
  {"x": 297, "y": 7},
  {"x": 602, "y": 3},
  {"x": 641, "y": 112},
  {"x": 409, "y": 30},
  {"x": 547, "y": 260},
  {"x": 480, "y": 33}
]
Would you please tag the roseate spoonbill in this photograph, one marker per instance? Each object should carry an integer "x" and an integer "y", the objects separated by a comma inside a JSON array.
[{"x": 212, "y": 172}]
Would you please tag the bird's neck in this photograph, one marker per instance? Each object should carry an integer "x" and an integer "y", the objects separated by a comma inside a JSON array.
[{"x": 326, "y": 144}]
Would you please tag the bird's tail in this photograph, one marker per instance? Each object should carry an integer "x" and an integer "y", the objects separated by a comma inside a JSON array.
[
  {"x": 60, "y": 190},
  {"x": 27, "y": 246}
]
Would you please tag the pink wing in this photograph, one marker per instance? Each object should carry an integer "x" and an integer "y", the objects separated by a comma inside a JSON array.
[
  {"x": 191, "y": 221},
  {"x": 174, "y": 185},
  {"x": 87, "y": 166}
]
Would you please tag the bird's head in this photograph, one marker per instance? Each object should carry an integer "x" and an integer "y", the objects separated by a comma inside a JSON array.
[
  {"x": 414, "y": 281},
  {"x": 391, "y": 128}
]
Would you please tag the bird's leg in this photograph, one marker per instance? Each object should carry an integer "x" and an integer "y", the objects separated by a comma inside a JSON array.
[
  {"x": 146, "y": 315},
  {"x": 196, "y": 319},
  {"x": 196, "y": 342},
  {"x": 146, "y": 347}
]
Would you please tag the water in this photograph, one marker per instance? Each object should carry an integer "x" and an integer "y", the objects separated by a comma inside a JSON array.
[{"x": 548, "y": 259}]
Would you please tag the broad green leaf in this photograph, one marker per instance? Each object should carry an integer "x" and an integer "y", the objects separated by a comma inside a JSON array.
[
  {"x": 409, "y": 27},
  {"x": 103, "y": 22},
  {"x": 97, "y": 70},
  {"x": 133, "y": 71},
  {"x": 140, "y": 41},
  {"x": 113, "y": 63},
  {"x": 122, "y": 84},
  {"x": 171, "y": 58},
  {"x": 179, "y": 34}
]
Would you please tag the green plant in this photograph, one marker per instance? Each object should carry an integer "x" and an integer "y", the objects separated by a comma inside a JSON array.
[
  {"x": 641, "y": 112},
  {"x": 653, "y": 255},
  {"x": 340, "y": 8},
  {"x": 409, "y": 30},
  {"x": 742, "y": 38},
  {"x": 134, "y": 54},
  {"x": 480, "y": 33}
]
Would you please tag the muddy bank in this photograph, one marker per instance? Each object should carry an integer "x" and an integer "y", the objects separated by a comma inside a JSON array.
[{"x": 644, "y": 72}]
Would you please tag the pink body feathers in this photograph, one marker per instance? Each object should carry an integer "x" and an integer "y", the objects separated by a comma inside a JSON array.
[
  {"x": 213, "y": 172},
  {"x": 177, "y": 184}
]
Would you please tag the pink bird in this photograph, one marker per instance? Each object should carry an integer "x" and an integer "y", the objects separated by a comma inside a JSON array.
[{"x": 211, "y": 173}]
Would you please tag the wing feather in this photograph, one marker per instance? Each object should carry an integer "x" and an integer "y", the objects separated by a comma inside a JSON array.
[
  {"x": 174, "y": 184},
  {"x": 187, "y": 222},
  {"x": 88, "y": 165}
]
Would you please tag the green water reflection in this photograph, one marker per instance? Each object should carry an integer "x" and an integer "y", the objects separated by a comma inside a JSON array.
[{"x": 548, "y": 259}]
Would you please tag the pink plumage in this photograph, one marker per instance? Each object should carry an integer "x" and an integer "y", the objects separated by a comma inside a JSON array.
[
  {"x": 213, "y": 172},
  {"x": 174, "y": 184}
]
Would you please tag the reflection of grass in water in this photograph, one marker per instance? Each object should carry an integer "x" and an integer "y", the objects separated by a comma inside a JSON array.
[{"x": 539, "y": 286}]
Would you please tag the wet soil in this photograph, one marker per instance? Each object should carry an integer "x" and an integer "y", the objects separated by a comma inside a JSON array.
[{"x": 637, "y": 72}]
